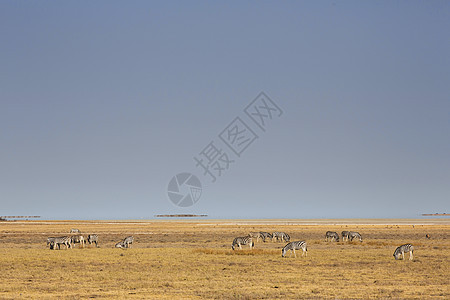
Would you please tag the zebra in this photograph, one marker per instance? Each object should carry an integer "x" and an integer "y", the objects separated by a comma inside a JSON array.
[
  {"x": 256, "y": 235},
  {"x": 245, "y": 240},
  {"x": 401, "y": 251},
  {"x": 74, "y": 230},
  {"x": 265, "y": 235},
  {"x": 331, "y": 235},
  {"x": 58, "y": 241},
  {"x": 345, "y": 235},
  {"x": 75, "y": 239},
  {"x": 128, "y": 241},
  {"x": 281, "y": 236},
  {"x": 120, "y": 245},
  {"x": 51, "y": 242},
  {"x": 125, "y": 243},
  {"x": 295, "y": 246},
  {"x": 352, "y": 235},
  {"x": 93, "y": 238}
]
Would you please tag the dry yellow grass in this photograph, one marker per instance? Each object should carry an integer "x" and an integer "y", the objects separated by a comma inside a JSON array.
[{"x": 194, "y": 260}]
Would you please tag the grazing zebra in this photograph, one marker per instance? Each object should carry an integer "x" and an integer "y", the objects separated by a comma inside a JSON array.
[
  {"x": 331, "y": 235},
  {"x": 401, "y": 251},
  {"x": 256, "y": 235},
  {"x": 281, "y": 236},
  {"x": 75, "y": 239},
  {"x": 245, "y": 240},
  {"x": 74, "y": 230},
  {"x": 295, "y": 246},
  {"x": 58, "y": 241},
  {"x": 265, "y": 235},
  {"x": 93, "y": 238},
  {"x": 125, "y": 243},
  {"x": 345, "y": 235},
  {"x": 51, "y": 242},
  {"x": 352, "y": 235}
]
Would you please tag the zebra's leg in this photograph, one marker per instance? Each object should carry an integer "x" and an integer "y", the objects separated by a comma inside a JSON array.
[
  {"x": 403, "y": 255},
  {"x": 410, "y": 255},
  {"x": 240, "y": 248},
  {"x": 295, "y": 255}
]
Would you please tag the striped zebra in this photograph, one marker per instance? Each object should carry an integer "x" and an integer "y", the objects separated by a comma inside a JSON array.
[
  {"x": 295, "y": 246},
  {"x": 125, "y": 243},
  {"x": 256, "y": 235},
  {"x": 78, "y": 239},
  {"x": 331, "y": 235},
  {"x": 266, "y": 235},
  {"x": 93, "y": 238},
  {"x": 245, "y": 240},
  {"x": 58, "y": 241},
  {"x": 345, "y": 235},
  {"x": 400, "y": 251},
  {"x": 74, "y": 230},
  {"x": 281, "y": 236},
  {"x": 120, "y": 244},
  {"x": 354, "y": 235}
]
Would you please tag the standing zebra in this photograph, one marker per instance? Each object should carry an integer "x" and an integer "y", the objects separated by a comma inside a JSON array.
[
  {"x": 281, "y": 236},
  {"x": 345, "y": 235},
  {"x": 245, "y": 240},
  {"x": 58, "y": 241},
  {"x": 128, "y": 241},
  {"x": 331, "y": 235},
  {"x": 265, "y": 235},
  {"x": 352, "y": 235},
  {"x": 93, "y": 238},
  {"x": 74, "y": 230},
  {"x": 295, "y": 246},
  {"x": 401, "y": 251},
  {"x": 256, "y": 235},
  {"x": 75, "y": 239},
  {"x": 125, "y": 243}
]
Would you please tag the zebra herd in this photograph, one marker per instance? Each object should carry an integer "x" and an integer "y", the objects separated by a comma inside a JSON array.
[
  {"x": 346, "y": 236},
  {"x": 301, "y": 245},
  {"x": 69, "y": 241}
]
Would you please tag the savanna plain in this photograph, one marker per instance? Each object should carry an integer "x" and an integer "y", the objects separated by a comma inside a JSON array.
[{"x": 192, "y": 259}]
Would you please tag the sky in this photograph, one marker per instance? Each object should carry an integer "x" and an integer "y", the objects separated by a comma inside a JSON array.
[{"x": 103, "y": 103}]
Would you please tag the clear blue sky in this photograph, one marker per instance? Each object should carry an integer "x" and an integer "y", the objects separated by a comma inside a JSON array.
[{"x": 102, "y": 102}]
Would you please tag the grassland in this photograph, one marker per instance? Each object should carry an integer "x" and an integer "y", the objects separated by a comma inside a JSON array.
[{"x": 193, "y": 260}]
